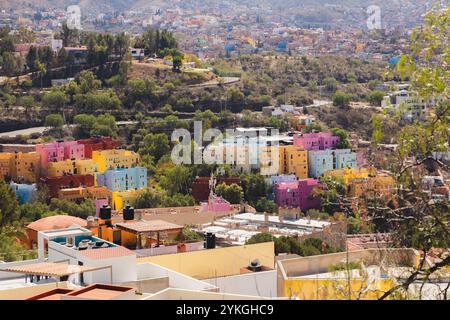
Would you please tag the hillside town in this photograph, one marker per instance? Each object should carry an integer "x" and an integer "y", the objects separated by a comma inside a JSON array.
[{"x": 175, "y": 153}]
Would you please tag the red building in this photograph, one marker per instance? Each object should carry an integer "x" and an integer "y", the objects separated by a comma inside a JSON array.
[
  {"x": 98, "y": 143},
  {"x": 200, "y": 186},
  {"x": 70, "y": 181}
]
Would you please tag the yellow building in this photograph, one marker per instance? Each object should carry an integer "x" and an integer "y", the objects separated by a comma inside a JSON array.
[
  {"x": 371, "y": 273},
  {"x": 114, "y": 159},
  {"x": 219, "y": 262},
  {"x": 26, "y": 166},
  {"x": 379, "y": 186},
  {"x": 294, "y": 160},
  {"x": 120, "y": 198},
  {"x": 349, "y": 174},
  {"x": 60, "y": 168},
  {"x": 5, "y": 164},
  {"x": 85, "y": 166}
]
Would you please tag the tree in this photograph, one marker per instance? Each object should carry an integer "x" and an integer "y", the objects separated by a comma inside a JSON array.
[
  {"x": 176, "y": 180},
  {"x": 254, "y": 187},
  {"x": 27, "y": 102},
  {"x": 342, "y": 134},
  {"x": 265, "y": 205},
  {"x": 105, "y": 126},
  {"x": 9, "y": 206},
  {"x": 232, "y": 193},
  {"x": 150, "y": 198},
  {"x": 375, "y": 97},
  {"x": 341, "y": 99},
  {"x": 9, "y": 64},
  {"x": 54, "y": 100},
  {"x": 156, "y": 145},
  {"x": 330, "y": 84},
  {"x": 88, "y": 82},
  {"x": 85, "y": 123},
  {"x": 55, "y": 121}
]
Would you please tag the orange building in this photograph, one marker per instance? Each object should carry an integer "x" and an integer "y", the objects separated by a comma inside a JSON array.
[
  {"x": 294, "y": 160},
  {"x": 5, "y": 164},
  {"x": 26, "y": 166}
]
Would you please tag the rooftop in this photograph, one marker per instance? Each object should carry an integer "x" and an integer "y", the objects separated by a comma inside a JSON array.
[{"x": 148, "y": 226}]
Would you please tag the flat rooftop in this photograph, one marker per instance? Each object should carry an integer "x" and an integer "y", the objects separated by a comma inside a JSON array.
[{"x": 148, "y": 226}]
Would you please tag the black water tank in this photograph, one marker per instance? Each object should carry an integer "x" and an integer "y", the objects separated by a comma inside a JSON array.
[
  {"x": 128, "y": 212},
  {"x": 105, "y": 212},
  {"x": 255, "y": 266},
  {"x": 210, "y": 240}
]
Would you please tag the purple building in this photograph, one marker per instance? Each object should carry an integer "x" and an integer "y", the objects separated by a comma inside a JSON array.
[
  {"x": 316, "y": 141},
  {"x": 297, "y": 194}
]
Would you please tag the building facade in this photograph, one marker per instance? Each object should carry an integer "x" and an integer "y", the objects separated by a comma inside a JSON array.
[
  {"x": 115, "y": 159},
  {"x": 316, "y": 141},
  {"x": 294, "y": 160},
  {"x": 297, "y": 194},
  {"x": 123, "y": 179},
  {"x": 320, "y": 161}
]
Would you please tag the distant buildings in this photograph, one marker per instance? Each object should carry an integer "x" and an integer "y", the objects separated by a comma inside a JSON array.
[
  {"x": 298, "y": 194},
  {"x": 115, "y": 159},
  {"x": 25, "y": 193},
  {"x": 294, "y": 160},
  {"x": 316, "y": 141},
  {"x": 123, "y": 179},
  {"x": 320, "y": 161}
]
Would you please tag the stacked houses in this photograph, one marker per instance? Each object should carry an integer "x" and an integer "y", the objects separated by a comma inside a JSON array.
[{"x": 72, "y": 170}]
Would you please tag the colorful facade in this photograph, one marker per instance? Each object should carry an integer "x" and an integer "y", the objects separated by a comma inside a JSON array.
[
  {"x": 349, "y": 174},
  {"x": 294, "y": 160},
  {"x": 123, "y": 179},
  {"x": 5, "y": 164},
  {"x": 320, "y": 161},
  {"x": 71, "y": 181},
  {"x": 59, "y": 151},
  {"x": 25, "y": 193},
  {"x": 316, "y": 141},
  {"x": 215, "y": 204},
  {"x": 94, "y": 192},
  {"x": 121, "y": 198},
  {"x": 60, "y": 168},
  {"x": 26, "y": 167},
  {"x": 201, "y": 188},
  {"x": 115, "y": 159},
  {"x": 297, "y": 194},
  {"x": 98, "y": 144}
]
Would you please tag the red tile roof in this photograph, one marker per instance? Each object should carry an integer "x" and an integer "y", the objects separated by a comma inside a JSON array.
[{"x": 107, "y": 253}]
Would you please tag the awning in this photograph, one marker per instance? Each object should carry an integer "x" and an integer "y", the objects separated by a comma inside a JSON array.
[{"x": 51, "y": 269}]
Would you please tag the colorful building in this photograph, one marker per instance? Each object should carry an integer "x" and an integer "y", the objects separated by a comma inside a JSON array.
[
  {"x": 25, "y": 193},
  {"x": 283, "y": 178},
  {"x": 60, "y": 168},
  {"x": 5, "y": 164},
  {"x": 98, "y": 144},
  {"x": 298, "y": 194},
  {"x": 316, "y": 141},
  {"x": 349, "y": 174},
  {"x": 115, "y": 159},
  {"x": 380, "y": 185},
  {"x": 123, "y": 179},
  {"x": 59, "y": 151},
  {"x": 85, "y": 166},
  {"x": 215, "y": 204},
  {"x": 81, "y": 193},
  {"x": 26, "y": 167},
  {"x": 71, "y": 181},
  {"x": 294, "y": 160},
  {"x": 320, "y": 161},
  {"x": 121, "y": 198}
]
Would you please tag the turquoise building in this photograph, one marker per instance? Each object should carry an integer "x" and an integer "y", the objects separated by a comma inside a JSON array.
[{"x": 123, "y": 179}]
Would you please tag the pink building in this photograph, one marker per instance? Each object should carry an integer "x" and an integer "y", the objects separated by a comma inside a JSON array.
[
  {"x": 215, "y": 204},
  {"x": 297, "y": 194},
  {"x": 316, "y": 141},
  {"x": 59, "y": 151}
]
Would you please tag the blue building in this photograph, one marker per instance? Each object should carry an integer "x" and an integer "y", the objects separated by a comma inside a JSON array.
[
  {"x": 123, "y": 179},
  {"x": 25, "y": 193},
  {"x": 320, "y": 161}
]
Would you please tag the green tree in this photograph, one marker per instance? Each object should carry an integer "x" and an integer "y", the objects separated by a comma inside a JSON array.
[
  {"x": 156, "y": 145},
  {"x": 375, "y": 97},
  {"x": 233, "y": 193},
  {"x": 9, "y": 206},
  {"x": 342, "y": 134},
  {"x": 341, "y": 99},
  {"x": 55, "y": 121},
  {"x": 54, "y": 100}
]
